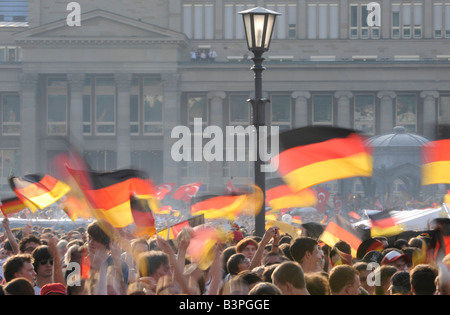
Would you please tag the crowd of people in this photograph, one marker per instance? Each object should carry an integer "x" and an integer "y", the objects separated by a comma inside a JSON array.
[{"x": 94, "y": 261}]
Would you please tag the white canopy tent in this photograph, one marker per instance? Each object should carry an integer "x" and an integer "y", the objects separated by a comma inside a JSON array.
[{"x": 411, "y": 220}]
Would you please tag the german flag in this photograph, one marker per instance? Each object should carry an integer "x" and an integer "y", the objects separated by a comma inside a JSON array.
[
  {"x": 284, "y": 227},
  {"x": 38, "y": 191},
  {"x": 280, "y": 196},
  {"x": 369, "y": 245},
  {"x": 340, "y": 229},
  {"x": 343, "y": 258},
  {"x": 12, "y": 205},
  {"x": 213, "y": 206},
  {"x": 142, "y": 216},
  {"x": 313, "y": 155},
  {"x": 76, "y": 207},
  {"x": 109, "y": 193},
  {"x": 440, "y": 238},
  {"x": 436, "y": 162},
  {"x": 383, "y": 224},
  {"x": 228, "y": 206},
  {"x": 173, "y": 231}
]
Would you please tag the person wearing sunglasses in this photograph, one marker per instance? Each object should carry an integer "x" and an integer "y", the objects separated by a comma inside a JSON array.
[{"x": 47, "y": 265}]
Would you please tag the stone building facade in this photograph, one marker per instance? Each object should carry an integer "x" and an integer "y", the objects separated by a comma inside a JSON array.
[{"x": 120, "y": 82}]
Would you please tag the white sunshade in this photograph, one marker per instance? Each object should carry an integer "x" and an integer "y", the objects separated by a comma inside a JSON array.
[{"x": 412, "y": 220}]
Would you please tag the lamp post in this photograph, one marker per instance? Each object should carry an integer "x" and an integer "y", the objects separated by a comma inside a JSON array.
[{"x": 258, "y": 25}]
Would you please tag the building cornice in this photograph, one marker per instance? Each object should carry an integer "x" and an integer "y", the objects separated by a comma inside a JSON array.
[{"x": 58, "y": 42}]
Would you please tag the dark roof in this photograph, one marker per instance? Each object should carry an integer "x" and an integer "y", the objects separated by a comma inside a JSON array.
[{"x": 400, "y": 138}]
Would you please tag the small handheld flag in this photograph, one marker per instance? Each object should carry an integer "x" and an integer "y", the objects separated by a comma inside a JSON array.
[{"x": 38, "y": 191}]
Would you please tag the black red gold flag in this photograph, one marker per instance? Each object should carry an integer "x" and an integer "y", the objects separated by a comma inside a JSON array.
[
  {"x": 280, "y": 196},
  {"x": 173, "y": 231},
  {"x": 369, "y": 245},
  {"x": 316, "y": 154},
  {"x": 440, "y": 238},
  {"x": 109, "y": 193},
  {"x": 436, "y": 162},
  {"x": 341, "y": 258},
  {"x": 383, "y": 224},
  {"x": 213, "y": 206},
  {"x": 38, "y": 191},
  {"x": 12, "y": 205},
  {"x": 228, "y": 206},
  {"x": 340, "y": 229},
  {"x": 142, "y": 217}
]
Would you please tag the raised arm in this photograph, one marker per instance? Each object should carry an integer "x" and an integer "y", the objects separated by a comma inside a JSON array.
[
  {"x": 256, "y": 261},
  {"x": 58, "y": 275},
  {"x": 177, "y": 268},
  {"x": 11, "y": 238},
  {"x": 216, "y": 272},
  {"x": 184, "y": 239}
]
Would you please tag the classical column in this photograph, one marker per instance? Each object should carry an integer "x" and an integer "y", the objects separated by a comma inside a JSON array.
[
  {"x": 216, "y": 98},
  {"x": 343, "y": 17},
  {"x": 385, "y": 28},
  {"x": 429, "y": 113},
  {"x": 171, "y": 118},
  {"x": 123, "y": 84},
  {"x": 301, "y": 108},
  {"x": 343, "y": 109},
  {"x": 76, "y": 83},
  {"x": 29, "y": 145},
  {"x": 387, "y": 111}
]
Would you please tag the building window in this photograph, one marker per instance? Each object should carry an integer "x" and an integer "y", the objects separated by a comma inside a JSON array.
[
  {"x": 10, "y": 114},
  {"x": 322, "y": 110},
  {"x": 233, "y": 25},
  {"x": 151, "y": 162},
  {"x": 13, "y": 10},
  {"x": 105, "y": 106},
  {"x": 101, "y": 160},
  {"x": 9, "y": 163},
  {"x": 146, "y": 106},
  {"x": 10, "y": 53},
  {"x": 197, "y": 107},
  {"x": 153, "y": 106},
  {"x": 198, "y": 21},
  {"x": 407, "y": 20},
  {"x": 323, "y": 21},
  {"x": 359, "y": 29},
  {"x": 57, "y": 108},
  {"x": 243, "y": 169},
  {"x": 239, "y": 110},
  {"x": 444, "y": 109},
  {"x": 406, "y": 112},
  {"x": 286, "y": 24},
  {"x": 364, "y": 113},
  {"x": 441, "y": 20},
  {"x": 197, "y": 168},
  {"x": 281, "y": 111}
]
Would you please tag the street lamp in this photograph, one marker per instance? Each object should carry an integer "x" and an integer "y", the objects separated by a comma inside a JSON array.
[{"x": 258, "y": 25}]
